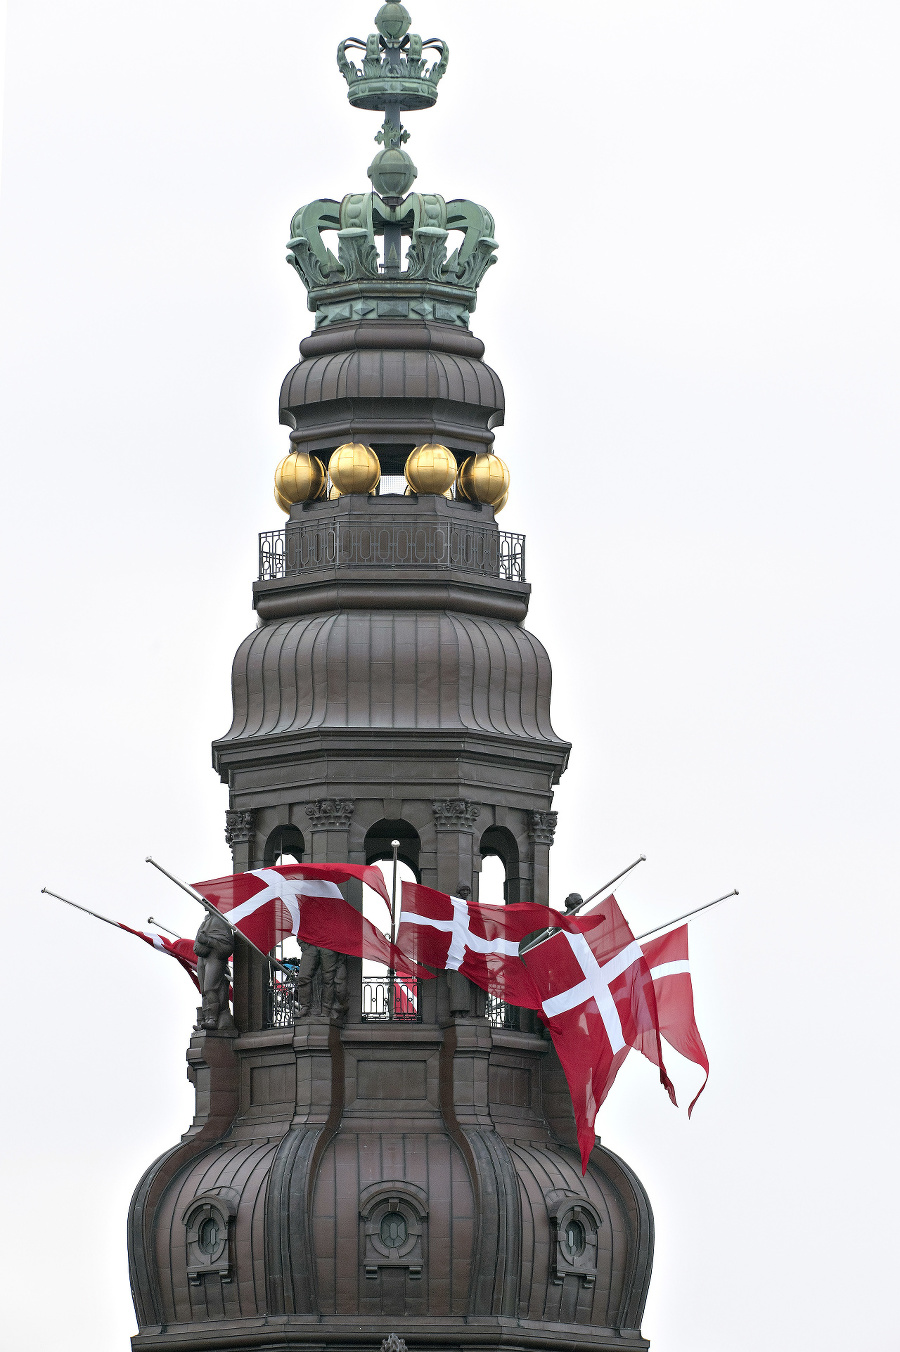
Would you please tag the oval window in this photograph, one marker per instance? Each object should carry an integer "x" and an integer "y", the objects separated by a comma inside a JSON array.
[
  {"x": 393, "y": 1230},
  {"x": 208, "y": 1236},
  {"x": 575, "y": 1238}
]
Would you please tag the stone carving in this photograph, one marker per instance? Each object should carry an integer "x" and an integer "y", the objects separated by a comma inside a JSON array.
[
  {"x": 213, "y": 945},
  {"x": 333, "y": 813},
  {"x": 455, "y": 814},
  {"x": 334, "y": 994},
  {"x": 393, "y": 1344},
  {"x": 542, "y": 827},
  {"x": 239, "y": 826}
]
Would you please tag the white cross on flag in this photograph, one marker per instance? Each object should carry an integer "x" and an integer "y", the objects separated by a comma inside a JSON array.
[
  {"x": 670, "y": 968},
  {"x": 482, "y": 942},
  {"x": 597, "y": 1001},
  {"x": 268, "y": 904}
]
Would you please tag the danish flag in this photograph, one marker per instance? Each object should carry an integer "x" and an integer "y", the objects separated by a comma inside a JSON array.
[
  {"x": 482, "y": 942},
  {"x": 268, "y": 904},
  {"x": 182, "y": 950},
  {"x": 597, "y": 1001},
  {"x": 670, "y": 969}
]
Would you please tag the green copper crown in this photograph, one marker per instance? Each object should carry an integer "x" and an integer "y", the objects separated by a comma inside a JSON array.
[
  {"x": 357, "y": 284},
  {"x": 393, "y": 67}
]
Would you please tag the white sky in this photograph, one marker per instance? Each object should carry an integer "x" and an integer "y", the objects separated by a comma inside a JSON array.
[{"x": 695, "y": 318}]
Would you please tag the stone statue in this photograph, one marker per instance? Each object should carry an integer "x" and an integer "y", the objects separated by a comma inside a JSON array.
[
  {"x": 333, "y": 969},
  {"x": 213, "y": 945},
  {"x": 572, "y": 902}
]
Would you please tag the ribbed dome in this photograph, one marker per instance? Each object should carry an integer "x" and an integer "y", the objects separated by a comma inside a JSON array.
[
  {"x": 373, "y": 374},
  {"x": 392, "y": 670}
]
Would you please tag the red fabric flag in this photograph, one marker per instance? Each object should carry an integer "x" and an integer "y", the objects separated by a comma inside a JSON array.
[
  {"x": 670, "y": 969},
  {"x": 182, "y": 950},
  {"x": 482, "y": 942},
  {"x": 597, "y": 1001},
  {"x": 269, "y": 904}
]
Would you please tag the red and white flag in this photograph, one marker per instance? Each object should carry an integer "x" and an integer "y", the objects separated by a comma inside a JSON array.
[
  {"x": 670, "y": 969},
  {"x": 268, "y": 904},
  {"x": 597, "y": 1001},
  {"x": 482, "y": 942},
  {"x": 182, "y": 950}
]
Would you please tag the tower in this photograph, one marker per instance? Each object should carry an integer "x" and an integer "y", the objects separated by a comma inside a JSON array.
[{"x": 398, "y": 1170}]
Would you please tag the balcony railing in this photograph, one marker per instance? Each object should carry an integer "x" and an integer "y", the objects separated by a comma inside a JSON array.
[
  {"x": 384, "y": 1000},
  {"x": 447, "y": 544}
]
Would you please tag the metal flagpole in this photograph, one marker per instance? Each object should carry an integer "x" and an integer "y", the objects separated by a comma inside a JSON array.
[
  {"x": 545, "y": 934},
  {"x": 395, "y": 846},
  {"x": 696, "y": 911},
  {"x": 106, "y": 920},
  {"x": 151, "y": 921},
  {"x": 198, "y": 896}
]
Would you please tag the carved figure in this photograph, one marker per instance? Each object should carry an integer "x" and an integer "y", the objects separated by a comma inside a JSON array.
[
  {"x": 333, "y": 967},
  {"x": 213, "y": 945}
]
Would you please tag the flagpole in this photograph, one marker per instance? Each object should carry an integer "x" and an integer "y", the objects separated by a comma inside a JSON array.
[
  {"x": 106, "y": 920},
  {"x": 151, "y": 921},
  {"x": 545, "y": 934},
  {"x": 198, "y": 896},
  {"x": 687, "y": 914},
  {"x": 395, "y": 846}
]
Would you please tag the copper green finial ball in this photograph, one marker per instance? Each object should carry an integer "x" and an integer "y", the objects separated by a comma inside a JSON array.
[
  {"x": 392, "y": 22},
  {"x": 392, "y": 172}
]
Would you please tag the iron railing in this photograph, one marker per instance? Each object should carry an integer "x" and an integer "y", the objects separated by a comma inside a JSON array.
[
  {"x": 501, "y": 1015},
  {"x": 447, "y": 544},
  {"x": 384, "y": 1000},
  {"x": 390, "y": 1000}
]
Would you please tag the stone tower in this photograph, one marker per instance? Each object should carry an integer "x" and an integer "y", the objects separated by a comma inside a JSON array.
[{"x": 407, "y": 1171}]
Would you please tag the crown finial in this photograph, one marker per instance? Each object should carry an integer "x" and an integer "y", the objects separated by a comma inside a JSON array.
[{"x": 395, "y": 76}]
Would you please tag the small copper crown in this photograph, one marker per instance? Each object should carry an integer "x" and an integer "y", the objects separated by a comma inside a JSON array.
[{"x": 393, "y": 67}]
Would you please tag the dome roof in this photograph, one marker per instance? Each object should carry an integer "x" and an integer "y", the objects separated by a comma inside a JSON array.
[
  {"x": 392, "y": 670},
  {"x": 391, "y": 374}
]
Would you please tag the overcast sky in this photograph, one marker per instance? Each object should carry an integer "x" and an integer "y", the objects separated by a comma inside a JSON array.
[{"x": 695, "y": 318}]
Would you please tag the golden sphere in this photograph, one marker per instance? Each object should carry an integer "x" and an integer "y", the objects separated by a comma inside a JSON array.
[
  {"x": 354, "y": 468},
  {"x": 431, "y": 469},
  {"x": 282, "y": 502},
  {"x": 300, "y": 477},
  {"x": 498, "y": 506},
  {"x": 484, "y": 478}
]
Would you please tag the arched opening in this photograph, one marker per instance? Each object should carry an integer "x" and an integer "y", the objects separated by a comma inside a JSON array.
[
  {"x": 498, "y": 844},
  {"x": 284, "y": 845},
  {"x": 378, "y": 843}
]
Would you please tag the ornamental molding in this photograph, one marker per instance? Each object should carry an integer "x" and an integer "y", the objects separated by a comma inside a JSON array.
[
  {"x": 330, "y": 813},
  {"x": 240, "y": 826},
  {"x": 542, "y": 827},
  {"x": 455, "y": 814}
]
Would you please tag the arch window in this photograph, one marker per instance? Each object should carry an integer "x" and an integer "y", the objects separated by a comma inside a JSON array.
[
  {"x": 284, "y": 845},
  {"x": 575, "y": 1224},
  {"x": 207, "y": 1221},
  {"x": 393, "y": 1216},
  {"x": 499, "y": 844}
]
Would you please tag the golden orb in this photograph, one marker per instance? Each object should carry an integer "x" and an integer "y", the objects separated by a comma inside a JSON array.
[
  {"x": 354, "y": 468},
  {"x": 300, "y": 477},
  {"x": 484, "y": 478},
  {"x": 498, "y": 506},
  {"x": 282, "y": 501},
  {"x": 431, "y": 468}
]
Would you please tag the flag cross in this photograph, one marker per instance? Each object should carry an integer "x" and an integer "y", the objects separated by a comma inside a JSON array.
[
  {"x": 595, "y": 986},
  {"x": 282, "y": 889},
  {"x": 461, "y": 935}
]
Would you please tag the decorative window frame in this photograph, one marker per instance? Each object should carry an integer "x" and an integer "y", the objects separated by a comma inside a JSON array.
[
  {"x": 378, "y": 1201},
  {"x": 563, "y": 1263},
  {"x": 221, "y": 1208}
]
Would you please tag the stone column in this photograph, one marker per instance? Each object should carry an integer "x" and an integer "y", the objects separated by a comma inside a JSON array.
[
  {"x": 251, "y": 972},
  {"x": 330, "y": 834},
  {"x": 454, "y": 822},
  {"x": 240, "y": 834},
  {"x": 541, "y": 829}
]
